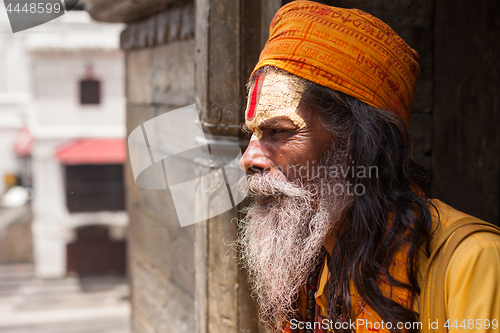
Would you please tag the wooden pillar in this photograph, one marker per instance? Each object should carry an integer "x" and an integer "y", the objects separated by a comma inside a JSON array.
[
  {"x": 228, "y": 43},
  {"x": 269, "y": 8}
]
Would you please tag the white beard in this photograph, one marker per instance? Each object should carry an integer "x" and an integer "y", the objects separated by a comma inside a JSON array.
[{"x": 280, "y": 242}]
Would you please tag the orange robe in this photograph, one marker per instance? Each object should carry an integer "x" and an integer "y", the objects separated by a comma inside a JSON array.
[{"x": 472, "y": 285}]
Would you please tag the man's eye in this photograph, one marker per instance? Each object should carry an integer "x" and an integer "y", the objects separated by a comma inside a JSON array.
[{"x": 278, "y": 131}]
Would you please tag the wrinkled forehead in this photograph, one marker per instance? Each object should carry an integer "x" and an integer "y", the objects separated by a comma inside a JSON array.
[{"x": 274, "y": 94}]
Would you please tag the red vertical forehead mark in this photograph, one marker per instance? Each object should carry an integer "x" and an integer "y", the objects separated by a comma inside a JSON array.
[{"x": 253, "y": 99}]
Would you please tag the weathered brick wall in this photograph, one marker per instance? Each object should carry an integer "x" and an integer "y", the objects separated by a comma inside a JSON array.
[{"x": 160, "y": 78}]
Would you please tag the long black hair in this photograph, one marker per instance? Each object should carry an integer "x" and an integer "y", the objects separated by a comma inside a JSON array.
[{"x": 366, "y": 244}]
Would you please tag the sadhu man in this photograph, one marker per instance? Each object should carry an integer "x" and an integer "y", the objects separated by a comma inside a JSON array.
[{"x": 343, "y": 235}]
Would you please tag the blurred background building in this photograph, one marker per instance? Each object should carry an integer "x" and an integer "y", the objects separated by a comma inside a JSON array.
[
  {"x": 62, "y": 143},
  {"x": 63, "y": 128},
  {"x": 77, "y": 122}
]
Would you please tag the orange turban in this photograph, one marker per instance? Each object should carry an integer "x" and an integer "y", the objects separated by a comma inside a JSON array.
[{"x": 347, "y": 50}]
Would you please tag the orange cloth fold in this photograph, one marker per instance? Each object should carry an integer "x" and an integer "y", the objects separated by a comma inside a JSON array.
[{"x": 347, "y": 50}]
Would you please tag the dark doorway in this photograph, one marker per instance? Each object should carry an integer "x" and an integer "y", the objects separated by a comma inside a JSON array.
[
  {"x": 94, "y": 252},
  {"x": 94, "y": 187}
]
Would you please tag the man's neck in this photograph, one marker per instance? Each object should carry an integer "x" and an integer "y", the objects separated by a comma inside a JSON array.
[{"x": 331, "y": 238}]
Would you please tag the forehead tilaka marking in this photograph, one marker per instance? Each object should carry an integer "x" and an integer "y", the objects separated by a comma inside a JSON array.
[
  {"x": 274, "y": 95},
  {"x": 253, "y": 99}
]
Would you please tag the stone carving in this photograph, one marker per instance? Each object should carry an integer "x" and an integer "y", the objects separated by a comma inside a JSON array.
[{"x": 173, "y": 24}]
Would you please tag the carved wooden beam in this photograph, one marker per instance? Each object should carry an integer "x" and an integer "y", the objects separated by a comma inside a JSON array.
[
  {"x": 172, "y": 25},
  {"x": 125, "y": 10}
]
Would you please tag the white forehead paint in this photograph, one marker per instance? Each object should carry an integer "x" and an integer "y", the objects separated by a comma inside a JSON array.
[{"x": 272, "y": 95}]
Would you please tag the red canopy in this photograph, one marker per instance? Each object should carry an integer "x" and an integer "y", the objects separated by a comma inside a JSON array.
[{"x": 93, "y": 151}]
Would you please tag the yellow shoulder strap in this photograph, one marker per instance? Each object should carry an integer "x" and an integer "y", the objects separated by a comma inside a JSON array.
[{"x": 432, "y": 292}]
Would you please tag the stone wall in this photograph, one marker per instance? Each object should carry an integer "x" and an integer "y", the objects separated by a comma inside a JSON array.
[
  {"x": 170, "y": 291},
  {"x": 160, "y": 78}
]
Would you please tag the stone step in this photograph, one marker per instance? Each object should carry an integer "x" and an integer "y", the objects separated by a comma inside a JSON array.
[
  {"x": 12, "y": 277},
  {"x": 101, "y": 325},
  {"x": 71, "y": 292},
  {"x": 69, "y": 305},
  {"x": 73, "y": 302}
]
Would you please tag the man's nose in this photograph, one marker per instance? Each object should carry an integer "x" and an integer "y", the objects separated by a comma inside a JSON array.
[{"x": 254, "y": 159}]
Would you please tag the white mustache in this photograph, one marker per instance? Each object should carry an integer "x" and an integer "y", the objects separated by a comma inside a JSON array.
[{"x": 267, "y": 185}]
